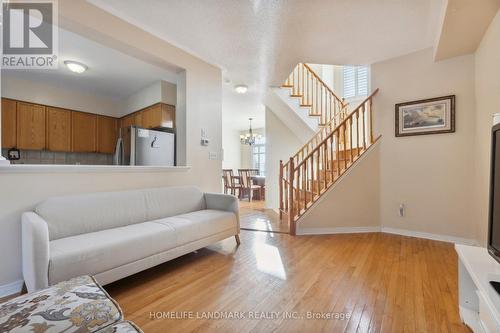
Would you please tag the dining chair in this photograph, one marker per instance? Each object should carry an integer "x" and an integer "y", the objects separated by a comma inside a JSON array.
[
  {"x": 229, "y": 183},
  {"x": 262, "y": 193},
  {"x": 247, "y": 185}
]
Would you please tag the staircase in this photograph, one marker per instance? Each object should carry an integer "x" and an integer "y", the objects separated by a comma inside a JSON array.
[{"x": 343, "y": 137}]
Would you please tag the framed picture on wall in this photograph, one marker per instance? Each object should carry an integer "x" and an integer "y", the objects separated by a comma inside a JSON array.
[{"x": 428, "y": 116}]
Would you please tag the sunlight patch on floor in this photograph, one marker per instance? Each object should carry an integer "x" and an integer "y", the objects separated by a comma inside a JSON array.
[{"x": 269, "y": 260}]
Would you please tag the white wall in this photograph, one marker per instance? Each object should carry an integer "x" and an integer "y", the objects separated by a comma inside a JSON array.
[
  {"x": 74, "y": 99},
  {"x": 143, "y": 98},
  {"x": 236, "y": 155},
  {"x": 430, "y": 174},
  {"x": 487, "y": 65},
  {"x": 168, "y": 93},
  {"x": 159, "y": 91},
  {"x": 199, "y": 106},
  {"x": 281, "y": 144},
  {"x": 246, "y": 150},
  {"x": 246, "y": 157},
  {"x": 48, "y": 94},
  {"x": 354, "y": 202},
  {"x": 331, "y": 76},
  {"x": 232, "y": 148}
]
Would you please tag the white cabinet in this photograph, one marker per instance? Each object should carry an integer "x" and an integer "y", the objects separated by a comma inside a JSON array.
[{"x": 479, "y": 303}]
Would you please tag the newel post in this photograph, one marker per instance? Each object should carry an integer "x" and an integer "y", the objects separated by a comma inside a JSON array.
[
  {"x": 291, "y": 205},
  {"x": 371, "y": 120},
  {"x": 280, "y": 189}
]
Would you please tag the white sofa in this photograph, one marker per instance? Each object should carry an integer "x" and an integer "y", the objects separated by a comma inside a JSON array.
[{"x": 116, "y": 234}]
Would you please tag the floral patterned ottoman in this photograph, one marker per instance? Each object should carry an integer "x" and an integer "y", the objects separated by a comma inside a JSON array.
[{"x": 78, "y": 305}]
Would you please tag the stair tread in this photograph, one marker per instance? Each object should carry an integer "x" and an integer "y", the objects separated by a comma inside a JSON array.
[
  {"x": 318, "y": 185},
  {"x": 331, "y": 157}
]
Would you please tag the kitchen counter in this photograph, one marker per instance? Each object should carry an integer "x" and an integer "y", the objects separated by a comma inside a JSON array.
[{"x": 50, "y": 168}]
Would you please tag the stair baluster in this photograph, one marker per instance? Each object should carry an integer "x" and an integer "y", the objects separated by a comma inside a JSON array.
[{"x": 325, "y": 158}]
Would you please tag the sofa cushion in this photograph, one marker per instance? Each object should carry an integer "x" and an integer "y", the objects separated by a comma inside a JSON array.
[
  {"x": 78, "y": 305},
  {"x": 193, "y": 226},
  {"x": 170, "y": 201},
  {"x": 79, "y": 214},
  {"x": 103, "y": 250}
]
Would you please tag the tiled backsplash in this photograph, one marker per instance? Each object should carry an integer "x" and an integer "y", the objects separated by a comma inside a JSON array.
[{"x": 49, "y": 157}]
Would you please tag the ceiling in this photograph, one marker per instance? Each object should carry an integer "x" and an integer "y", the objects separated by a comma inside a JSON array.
[
  {"x": 464, "y": 23},
  {"x": 257, "y": 42},
  {"x": 110, "y": 73},
  {"x": 238, "y": 108}
]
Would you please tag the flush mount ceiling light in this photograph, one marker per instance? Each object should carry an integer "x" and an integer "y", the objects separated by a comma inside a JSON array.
[
  {"x": 76, "y": 66},
  {"x": 241, "y": 88}
]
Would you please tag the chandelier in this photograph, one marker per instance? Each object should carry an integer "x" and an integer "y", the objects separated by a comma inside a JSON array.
[{"x": 249, "y": 138}]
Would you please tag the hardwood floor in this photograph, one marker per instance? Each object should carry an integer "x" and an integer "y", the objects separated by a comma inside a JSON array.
[
  {"x": 374, "y": 282},
  {"x": 254, "y": 216}
]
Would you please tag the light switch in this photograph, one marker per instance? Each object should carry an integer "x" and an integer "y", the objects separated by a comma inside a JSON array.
[{"x": 212, "y": 155}]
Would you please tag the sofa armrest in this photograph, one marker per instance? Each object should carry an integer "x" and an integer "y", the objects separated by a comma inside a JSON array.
[
  {"x": 35, "y": 248},
  {"x": 225, "y": 202}
]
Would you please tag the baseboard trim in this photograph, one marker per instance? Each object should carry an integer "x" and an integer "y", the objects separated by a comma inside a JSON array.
[
  {"x": 387, "y": 230},
  {"x": 426, "y": 235},
  {"x": 337, "y": 230},
  {"x": 11, "y": 288}
]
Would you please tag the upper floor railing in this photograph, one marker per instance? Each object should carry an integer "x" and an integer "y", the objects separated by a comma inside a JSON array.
[{"x": 315, "y": 94}]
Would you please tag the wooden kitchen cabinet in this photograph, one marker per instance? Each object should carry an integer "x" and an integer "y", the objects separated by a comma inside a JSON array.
[
  {"x": 138, "y": 119},
  {"x": 107, "y": 133},
  {"x": 58, "y": 129},
  {"x": 127, "y": 121},
  {"x": 9, "y": 121},
  {"x": 134, "y": 119},
  {"x": 158, "y": 115},
  {"x": 30, "y": 126},
  {"x": 83, "y": 132}
]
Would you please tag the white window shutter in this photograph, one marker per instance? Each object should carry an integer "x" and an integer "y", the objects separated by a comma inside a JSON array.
[
  {"x": 362, "y": 81},
  {"x": 349, "y": 79},
  {"x": 355, "y": 79}
]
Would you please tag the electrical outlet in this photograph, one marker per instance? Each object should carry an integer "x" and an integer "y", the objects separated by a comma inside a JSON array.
[
  {"x": 402, "y": 210},
  {"x": 212, "y": 155}
]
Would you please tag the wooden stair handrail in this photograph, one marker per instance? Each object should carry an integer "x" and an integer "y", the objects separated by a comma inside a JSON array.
[
  {"x": 342, "y": 123},
  {"x": 328, "y": 126},
  {"x": 314, "y": 138},
  {"x": 324, "y": 84},
  {"x": 303, "y": 182},
  {"x": 303, "y": 87}
]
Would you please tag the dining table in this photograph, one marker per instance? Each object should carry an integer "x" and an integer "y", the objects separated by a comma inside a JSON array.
[
  {"x": 256, "y": 180},
  {"x": 259, "y": 181}
]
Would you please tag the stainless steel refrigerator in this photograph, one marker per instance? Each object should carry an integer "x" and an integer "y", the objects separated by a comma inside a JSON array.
[{"x": 140, "y": 146}]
